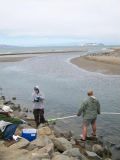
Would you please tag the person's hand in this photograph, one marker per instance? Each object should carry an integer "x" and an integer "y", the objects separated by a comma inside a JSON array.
[{"x": 23, "y": 121}]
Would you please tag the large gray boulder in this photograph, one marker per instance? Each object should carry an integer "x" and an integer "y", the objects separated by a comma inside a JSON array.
[
  {"x": 62, "y": 144},
  {"x": 37, "y": 156},
  {"x": 40, "y": 142},
  {"x": 45, "y": 152},
  {"x": 21, "y": 144},
  {"x": 98, "y": 149},
  {"x": 60, "y": 133},
  {"x": 74, "y": 152},
  {"x": 62, "y": 157},
  {"x": 44, "y": 131},
  {"x": 92, "y": 155},
  {"x": 15, "y": 154},
  {"x": 21, "y": 115}
]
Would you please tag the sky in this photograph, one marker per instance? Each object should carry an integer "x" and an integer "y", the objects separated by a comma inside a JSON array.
[{"x": 54, "y": 22}]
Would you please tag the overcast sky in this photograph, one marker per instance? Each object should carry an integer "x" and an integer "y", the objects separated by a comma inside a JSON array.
[{"x": 27, "y": 22}]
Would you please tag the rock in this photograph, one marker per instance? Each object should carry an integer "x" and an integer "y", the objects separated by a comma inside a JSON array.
[
  {"x": 41, "y": 125},
  {"x": 22, "y": 115},
  {"x": 67, "y": 134},
  {"x": 91, "y": 154},
  {"x": 2, "y": 97},
  {"x": 59, "y": 133},
  {"x": 21, "y": 144},
  {"x": 52, "y": 136},
  {"x": 62, "y": 144},
  {"x": 15, "y": 154},
  {"x": 25, "y": 109},
  {"x": 61, "y": 157},
  {"x": 107, "y": 151},
  {"x": 40, "y": 142},
  {"x": 100, "y": 140},
  {"x": 72, "y": 141},
  {"x": 1, "y": 142},
  {"x": 115, "y": 153},
  {"x": 117, "y": 147},
  {"x": 56, "y": 153},
  {"x": 44, "y": 131},
  {"x": 19, "y": 108},
  {"x": 46, "y": 159},
  {"x": 13, "y": 98},
  {"x": 97, "y": 149},
  {"x": 88, "y": 146},
  {"x": 10, "y": 103},
  {"x": 37, "y": 156},
  {"x": 13, "y": 106},
  {"x": 47, "y": 151},
  {"x": 74, "y": 152},
  {"x": 1, "y": 103}
]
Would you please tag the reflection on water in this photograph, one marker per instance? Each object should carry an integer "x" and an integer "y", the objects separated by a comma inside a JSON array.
[{"x": 65, "y": 87}]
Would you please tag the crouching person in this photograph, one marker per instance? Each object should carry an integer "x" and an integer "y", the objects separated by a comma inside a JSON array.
[
  {"x": 8, "y": 124},
  {"x": 89, "y": 109}
]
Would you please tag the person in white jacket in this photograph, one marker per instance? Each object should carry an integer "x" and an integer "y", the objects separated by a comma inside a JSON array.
[{"x": 38, "y": 106}]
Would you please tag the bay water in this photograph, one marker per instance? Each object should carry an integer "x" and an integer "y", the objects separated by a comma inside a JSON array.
[{"x": 65, "y": 87}]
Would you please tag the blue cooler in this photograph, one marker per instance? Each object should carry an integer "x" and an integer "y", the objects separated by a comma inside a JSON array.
[{"x": 30, "y": 134}]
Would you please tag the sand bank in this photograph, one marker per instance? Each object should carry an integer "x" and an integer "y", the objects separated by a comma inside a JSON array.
[
  {"x": 13, "y": 57},
  {"x": 106, "y": 63}
]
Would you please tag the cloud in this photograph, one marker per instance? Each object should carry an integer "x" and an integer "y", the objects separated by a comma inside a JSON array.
[{"x": 77, "y": 18}]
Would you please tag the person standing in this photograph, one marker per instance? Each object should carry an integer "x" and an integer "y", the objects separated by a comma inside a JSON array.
[
  {"x": 38, "y": 106},
  {"x": 90, "y": 108}
]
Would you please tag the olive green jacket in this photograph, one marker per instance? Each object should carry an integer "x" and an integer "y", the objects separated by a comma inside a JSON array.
[
  {"x": 89, "y": 108},
  {"x": 10, "y": 119}
]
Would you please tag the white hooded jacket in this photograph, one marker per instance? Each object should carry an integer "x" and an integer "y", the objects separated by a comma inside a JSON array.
[{"x": 38, "y": 100}]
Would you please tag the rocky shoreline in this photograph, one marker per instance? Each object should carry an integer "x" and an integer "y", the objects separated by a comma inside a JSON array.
[{"x": 52, "y": 143}]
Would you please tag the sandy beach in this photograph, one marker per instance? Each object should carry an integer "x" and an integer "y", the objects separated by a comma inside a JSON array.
[{"x": 106, "y": 63}]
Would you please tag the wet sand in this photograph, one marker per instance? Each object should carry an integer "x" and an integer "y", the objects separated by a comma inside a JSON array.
[
  {"x": 13, "y": 57},
  {"x": 105, "y": 63}
]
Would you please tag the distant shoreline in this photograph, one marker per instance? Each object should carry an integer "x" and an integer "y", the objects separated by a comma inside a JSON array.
[
  {"x": 40, "y": 52},
  {"x": 105, "y": 63},
  {"x": 13, "y": 57}
]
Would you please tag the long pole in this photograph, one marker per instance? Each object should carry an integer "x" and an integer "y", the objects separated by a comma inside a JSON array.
[
  {"x": 111, "y": 113},
  {"x": 73, "y": 116}
]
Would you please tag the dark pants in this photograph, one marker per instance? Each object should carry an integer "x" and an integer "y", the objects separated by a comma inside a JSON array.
[
  {"x": 39, "y": 116},
  {"x": 9, "y": 131}
]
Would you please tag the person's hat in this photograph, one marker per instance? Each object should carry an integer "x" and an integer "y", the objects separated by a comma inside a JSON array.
[
  {"x": 36, "y": 87},
  {"x": 7, "y": 109}
]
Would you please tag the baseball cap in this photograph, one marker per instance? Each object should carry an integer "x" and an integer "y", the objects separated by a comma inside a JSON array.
[{"x": 7, "y": 109}]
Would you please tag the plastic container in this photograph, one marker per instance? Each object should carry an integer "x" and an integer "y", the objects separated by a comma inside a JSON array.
[{"x": 30, "y": 134}]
